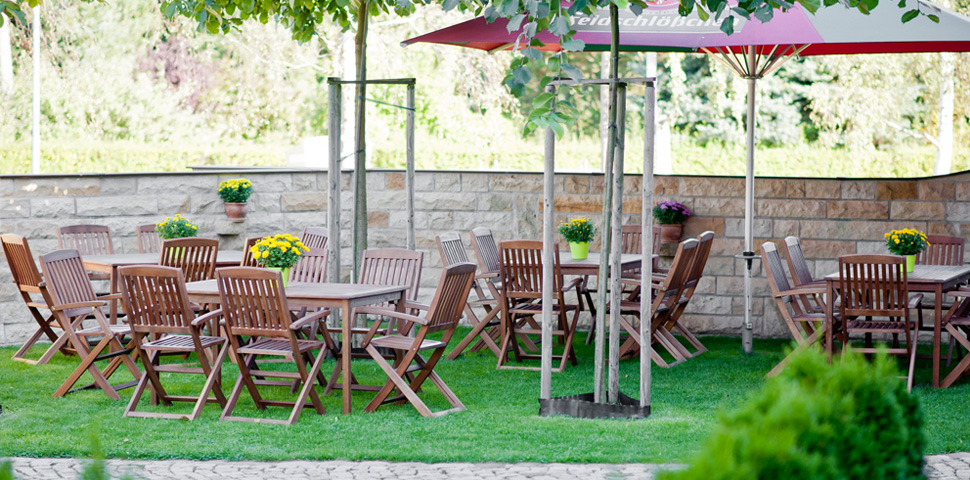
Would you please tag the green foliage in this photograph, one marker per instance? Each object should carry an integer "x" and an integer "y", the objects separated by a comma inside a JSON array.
[
  {"x": 176, "y": 227},
  {"x": 851, "y": 420},
  {"x": 236, "y": 190},
  {"x": 6, "y": 470},
  {"x": 577, "y": 230}
]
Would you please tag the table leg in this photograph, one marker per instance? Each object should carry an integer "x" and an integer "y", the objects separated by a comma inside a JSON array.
[
  {"x": 829, "y": 318},
  {"x": 937, "y": 323},
  {"x": 345, "y": 347},
  {"x": 113, "y": 289}
]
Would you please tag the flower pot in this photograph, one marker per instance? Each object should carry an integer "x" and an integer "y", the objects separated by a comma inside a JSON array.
[
  {"x": 910, "y": 263},
  {"x": 579, "y": 250},
  {"x": 670, "y": 233},
  {"x": 236, "y": 211},
  {"x": 285, "y": 272}
]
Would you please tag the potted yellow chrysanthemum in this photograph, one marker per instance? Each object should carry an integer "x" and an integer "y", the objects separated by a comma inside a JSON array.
[
  {"x": 279, "y": 252},
  {"x": 578, "y": 232},
  {"x": 235, "y": 193},
  {"x": 907, "y": 242}
]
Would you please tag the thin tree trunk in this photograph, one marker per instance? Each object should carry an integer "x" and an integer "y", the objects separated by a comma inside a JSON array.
[
  {"x": 944, "y": 139},
  {"x": 604, "y": 111},
  {"x": 360, "y": 144}
]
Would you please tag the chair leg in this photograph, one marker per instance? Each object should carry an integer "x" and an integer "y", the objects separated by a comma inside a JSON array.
[
  {"x": 478, "y": 331},
  {"x": 212, "y": 383},
  {"x": 308, "y": 391}
]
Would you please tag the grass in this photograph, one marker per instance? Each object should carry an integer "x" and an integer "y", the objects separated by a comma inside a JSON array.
[{"x": 501, "y": 423}]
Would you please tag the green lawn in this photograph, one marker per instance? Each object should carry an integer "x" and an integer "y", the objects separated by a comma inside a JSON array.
[{"x": 501, "y": 423}]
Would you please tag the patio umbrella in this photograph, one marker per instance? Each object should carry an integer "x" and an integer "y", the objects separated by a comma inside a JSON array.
[{"x": 755, "y": 49}]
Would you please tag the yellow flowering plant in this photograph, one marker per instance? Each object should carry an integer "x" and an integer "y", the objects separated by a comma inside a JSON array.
[
  {"x": 577, "y": 230},
  {"x": 278, "y": 251},
  {"x": 907, "y": 241},
  {"x": 236, "y": 190},
  {"x": 176, "y": 227}
]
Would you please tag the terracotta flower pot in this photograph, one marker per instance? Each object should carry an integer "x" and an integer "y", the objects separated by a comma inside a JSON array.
[
  {"x": 671, "y": 233},
  {"x": 236, "y": 211}
]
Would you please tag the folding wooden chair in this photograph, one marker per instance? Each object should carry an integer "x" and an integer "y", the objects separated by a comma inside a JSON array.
[
  {"x": 247, "y": 258},
  {"x": 148, "y": 239},
  {"x": 384, "y": 266},
  {"x": 72, "y": 300},
  {"x": 453, "y": 252},
  {"x": 875, "y": 286},
  {"x": 521, "y": 276},
  {"x": 957, "y": 323},
  {"x": 443, "y": 314},
  {"x": 807, "y": 328},
  {"x": 88, "y": 240},
  {"x": 942, "y": 250},
  {"x": 196, "y": 257},
  {"x": 665, "y": 299},
  {"x": 28, "y": 281},
  {"x": 694, "y": 274},
  {"x": 158, "y": 307},
  {"x": 314, "y": 237},
  {"x": 254, "y": 306},
  {"x": 802, "y": 276}
]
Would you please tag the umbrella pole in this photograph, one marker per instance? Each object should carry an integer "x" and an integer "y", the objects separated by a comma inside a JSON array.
[
  {"x": 747, "y": 332},
  {"x": 548, "y": 192}
]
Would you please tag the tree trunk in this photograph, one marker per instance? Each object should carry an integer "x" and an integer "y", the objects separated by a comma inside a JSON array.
[
  {"x": 360, "y": 144},
  {"x": 944, "y": 138},
  {"x": 6, "y": 58}
]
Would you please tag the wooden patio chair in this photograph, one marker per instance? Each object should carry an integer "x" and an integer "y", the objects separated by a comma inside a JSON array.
[
  {"x": 314, "y": 237},
  {"x": 802, "y": 276},
  {"x": 942, "y": 250},
  {"x": 254, "y": 306},
  {"x": 29, "y": 283},
  {"x": 196, "y": 257},
  {"x": 522, "y": 280},
  {"x": 875, "y": 286},
  {"x": 694, "y": 274},
  {"x": 807, "y": 328},
  {"x": 247, "y": 258},
  {"x": 452, "y": 253},
  {"x": 956, "y": 322},
  {"x": 88, "y": 240},
  {"x": 163, "y": 321},
  {"x": 665, "y": 299},
  {"x": 72, "y": 299},
  {"x": 148, "y": 239},
  {"x": 449, "y": 300},
  {"x": 383, "y": 266}
]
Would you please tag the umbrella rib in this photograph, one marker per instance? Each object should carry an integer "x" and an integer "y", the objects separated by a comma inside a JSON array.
[{"x": 720, "y": 56}]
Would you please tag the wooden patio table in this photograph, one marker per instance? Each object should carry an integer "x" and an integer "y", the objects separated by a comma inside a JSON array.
[
  {"x": 935, "y": 279},
  {"x": 344, "y": 296},
  {"x": 109, "y": 264},
  {"x": 591, "y": 264}
]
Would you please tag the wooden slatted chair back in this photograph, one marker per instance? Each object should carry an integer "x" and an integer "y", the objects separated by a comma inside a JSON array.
[
  {"x": 521, "y": 269},
  {"x": 195, "y": 256},
  {"x": 86, "y": 239},
  {"x": 486, "y": 249},
  {"x": 67, "y": 281},
  {"x": 247, "y": 258},
  {"x": 311, "y": 268},
  {"x": 451, "y": 249},
  {"x": 797, "y": 265},
  {"x": 148, "y": 239},
  {"x": 253, "y": 302},
  {"x": 630, "y": 239},
  {"x": 155, "y": 299},
  {"x": 392, "y": 266},
  {"x": 21, "y": 263},
  {"x": 943, "y": 250},
  {"x": 673, "y": 285},
  {"x": 314, "y": 237},
  {"x": 778, "y": 281},
  {"x": 873, "y": 285},
  {"x": 705, "y": 240},
  {"x": 450, "y": 296}
]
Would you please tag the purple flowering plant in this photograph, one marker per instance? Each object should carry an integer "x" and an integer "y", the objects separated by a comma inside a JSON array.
[{"x": 669, "y": 212}]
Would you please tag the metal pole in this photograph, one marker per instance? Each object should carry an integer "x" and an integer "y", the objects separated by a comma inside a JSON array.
[
  {"x": 333, "y": 184},
  {"x": 35, "y": 33},
  {"x": 748, "y": 332},
  {"x": 548, "y": 192},
  {"x": 646, "y": 220},
  {"x": 616, "y": 247},
  {"x": 409, "y": 175}
]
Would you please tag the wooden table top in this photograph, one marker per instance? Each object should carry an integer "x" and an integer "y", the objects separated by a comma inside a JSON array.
[
  {"x": 223, "y": 258},
  {"x": 310, "y": 291},
  {"x": 593, "y": 259},
  {"x": 928, "y": 273}
]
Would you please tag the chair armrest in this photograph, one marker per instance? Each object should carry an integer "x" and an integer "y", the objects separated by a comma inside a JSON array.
[
  {"x": 574, "y": 283},
  {"x": 915, "y": 301},
  {"x": 486, "y": 275},
  {"x": 416, "y": 306},
  {"x": 68, "y": 306},
  {"x": 809, "y": 290},
  {"x": 303, "y": 322},
  {"x": 964, "y": 293},
  {"x": 204, "y": 319},
  {"x": 389, "y": 313},
  {"x": 112, "y": 296}
]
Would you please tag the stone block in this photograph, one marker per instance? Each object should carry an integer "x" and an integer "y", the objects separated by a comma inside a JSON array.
[
  {"x": 740, "y": 264},
  {"x": 796, "y": 189},
  {"x": 386, "y": 200},
  {"x": 937, "y": 191},
  {"x": 576, "y": 203},
  {"x": 632, "y": 185},
  {"x": 871, "y": 247},
  {"x": 303, "y": 201},
  {"x": 734, "y": 227},
  {"x": 172, "y": 204},
  {"x": 466, "y": 222},
  {"x": 858, "y": 209},
  {"x": 424, "y": 181},
  {"x": 50, "y": 207},
  {"x": 941, "y": 229},
  {"x": 162, "y": 184},
  {"x": 119, "y": 205},
  {"x": 719, "y": 266},
  {"x": 958, "y": 211},
  {"x": 706, "y": 286},
  {"x": 918, "y": 211},
  {"x": 12, "y": 207},
  {"x": 57, "y": 186},
  {"x": 858, "y": 189},
  {"x": 827, "y": 249},
  {"x": 845, "y": 229},
  {"x": 785, "y": 228},
  {"x": 443, "y": 201},
  {"x": 712, "y": 324},
  {"x": 722, "y": 246},
  {"x": 303, "y": 181},
  {"x": 711, "y": 186},
  {"x": 379, "y": 219},
  {"x": 441, "y": 221},
  {"x": 757, "y": 308},
  {"x": 262, "y": 182},
  {"x": 790, "y": 208},
  {"x": 823, "y": 189},
  {"x": 118, "y": 185},
  {"x": 375, "y": 180},
  {"x": 631, "y": 205},
  {"x": 576, "y": 184},
  {"x": 495, "y": 201},
  {"x": 665, "y": 186},
  {"x": 515, "y": 182},
  {"x": 6, "y": 187},
  {"x": 474, "y": 182},
  {"x": 896, "y": 190},
  {"x": 710, "y": 304},
  {"x": 718, "y": 207},
  {"x": 734, "y": 286},
  {"x": 698, "y": 225},
  {"x": 770, "y": 188},
  {"x": 212, "y": 205},
  {"x": 825, "y": 267},
  {"x": 962, "y": 191},
  {"x": 447, "y": 182},
  {"x": 223, "y": 226}
]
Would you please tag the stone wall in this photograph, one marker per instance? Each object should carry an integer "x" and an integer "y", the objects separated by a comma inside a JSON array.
[{"x": 832, "y": 217}]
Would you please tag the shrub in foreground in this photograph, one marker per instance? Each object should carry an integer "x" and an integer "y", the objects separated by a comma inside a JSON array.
[{"x": 851, "y": 420}]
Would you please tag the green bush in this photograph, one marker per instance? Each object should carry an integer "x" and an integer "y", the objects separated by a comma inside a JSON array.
[{"x": 851, "y": 420}]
